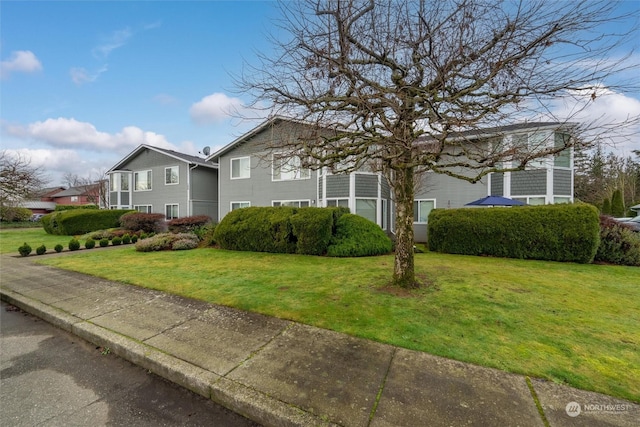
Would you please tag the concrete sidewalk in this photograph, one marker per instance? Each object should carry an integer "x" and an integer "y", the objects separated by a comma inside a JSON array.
[{"x": 281, "y": 373}]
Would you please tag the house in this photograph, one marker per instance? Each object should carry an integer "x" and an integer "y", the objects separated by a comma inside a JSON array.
[
  {"x": 157, "y": 180},
  {"x": 89, "y": 194},
  {"x": 42, "y": 202},
  {"x": 250, "y": 174},
  {"x": 246, "y": 172}
]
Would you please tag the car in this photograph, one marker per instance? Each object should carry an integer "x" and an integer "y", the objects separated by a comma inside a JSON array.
[
  {"x": 634, "y": 223},
  {"x": 36, "y": 217}
]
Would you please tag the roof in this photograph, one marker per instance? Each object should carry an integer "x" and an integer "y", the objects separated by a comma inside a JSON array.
[
  {"x": 37, "y": 204},
  {"x": 48, "y": 191},
  {"x": 238, "y": 141},
  {"x": 76, "y": 191},
  {"x": 186, "y": 158}
]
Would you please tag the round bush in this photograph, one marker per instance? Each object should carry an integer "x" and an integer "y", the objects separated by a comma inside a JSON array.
[
  {"x": 58, "y": 248},
  {"x": 90, "y": 243},
  {"x": 25, "y": 249},
  {"x": 357, "y": 236},
  {"x": 104, "y": 242},
  {"x": 74, "y": 245},
  {"x": 116, "y": 241},
  {"x": 41, "y": 249},
  {"x": 134, "y": 238},
  {"x": 618, "y": 243},
  {"x": 126, "y": 239}
]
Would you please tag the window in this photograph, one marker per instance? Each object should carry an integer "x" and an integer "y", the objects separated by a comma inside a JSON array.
[
  {"x": 531, "y": 200},
  {"x": 171, "y": 211},
  {"x": 288, "y": 168},
  {"x": 293, "y": 203},
  {"x": 563, "y": 158},
  {"x": 238, "y": 205},
  {"x": 171, "y": 175},
  {"x": 421, "y": 209},
  {"x": 74, "y": 198},
  {"x": 143, "y": 208},
  {"x": 240, "y": 168},
  {"x": 124, "y": 181},
  {"x": 561, "y": 199},
  {"x": 531, "y": 143},
  {"x": 383, "y": 214},
  {"x": 113, "y": 182},
  {"x": 367, "y": 208},
  {"x": 338, "y": 202},
  {"x": 142, "y": 180},
  {"x": 119, "y": 182}
]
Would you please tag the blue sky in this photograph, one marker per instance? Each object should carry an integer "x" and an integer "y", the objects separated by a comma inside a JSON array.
[{"x": 83, "y": 83}]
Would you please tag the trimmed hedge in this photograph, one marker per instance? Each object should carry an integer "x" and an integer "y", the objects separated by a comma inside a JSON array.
[
  {"x": 81, "y": 221},
  {"x": 14, "y": 214},
  {"x": 357, "y": 236},
  {"x": 138, "y": 221},
  {"x": 74, "y": 207},
  {"x": 187, "y": 224},
  {"x": 280, "y": 229},
  {"x": 568, "y": 233},
  {"x": 618, "y": 243}
]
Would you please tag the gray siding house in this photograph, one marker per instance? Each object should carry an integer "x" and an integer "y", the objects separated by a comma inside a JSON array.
[
  {"x": 157, "y": 180},
  {"x": 250, "y": 174}
]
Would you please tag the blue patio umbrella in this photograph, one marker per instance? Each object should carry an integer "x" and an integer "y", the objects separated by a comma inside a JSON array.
[{"x": 495, "y": 201}]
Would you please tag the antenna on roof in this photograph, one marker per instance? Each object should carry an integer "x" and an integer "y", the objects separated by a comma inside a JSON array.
[{"x": 206, "y": 150}]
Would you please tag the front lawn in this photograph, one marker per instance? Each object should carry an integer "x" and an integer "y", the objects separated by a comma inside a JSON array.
[
  {"x": 12, "y": 238},
  {"x": 570, "y": 323}
]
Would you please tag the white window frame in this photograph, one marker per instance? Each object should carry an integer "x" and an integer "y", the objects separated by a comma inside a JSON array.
[
  {"x": 166, "y": 206},
  {"x": 527, "y": 199},
  {"x": 149, "y": 176},
  {"x": 383, "y": 213},
  {"x": 177, "y": 168},
  {"x": 417, "y": 214},
  {"x": 149, "y": 208},
  {"x": 293, "y": 203},
  {"x": 74, "y": 198},
  {"x": 246, "y": 169},
  {"x": 246, "y": 204},
  {"x": 295, "y": 170},
  {"x": 337, "y": 201}
]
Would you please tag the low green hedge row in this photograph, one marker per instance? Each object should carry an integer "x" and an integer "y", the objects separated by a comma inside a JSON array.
[
  {"x": 308, "y": 231},
  {"x": 567, "y": 232},
  {"x": 81, "y": 221}
]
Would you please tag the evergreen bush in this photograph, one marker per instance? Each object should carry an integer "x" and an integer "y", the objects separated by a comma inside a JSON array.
[
  {"x": 126, "y": 239},
  {"x": 25, "y": 249},
  {"x": 58, "y": 248},
  {"x": 146, "y": 222},
  {"x": 40, "y": 250},
  {"x": 134, "y": 238},
  {"x": 618, "y": 243},
  {"x": 82, "y": 221},
  {"x": 15, "y": 214},
  {"x": 74, "y": 245},
  {"x": 104, "y": 242},
  {"x": 89, "y": 243},
  {"x": 116, "y": 241},
  {"x": 357, "y": 236},
  {"x": 617, "y": 204},
  {"x": 313, "y": 229},
  {"x": 553, "y": 232}
]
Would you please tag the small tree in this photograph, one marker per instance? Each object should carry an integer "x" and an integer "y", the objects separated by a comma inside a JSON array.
[
  {"x": 393, "y": 85},
  {"x": 617, "y": 205},
  {"x": 606, "y": 207},
  {"x": 18, "y": 178}
]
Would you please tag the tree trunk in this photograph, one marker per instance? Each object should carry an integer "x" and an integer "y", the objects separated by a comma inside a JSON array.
[{"x": 404, "y": 268}]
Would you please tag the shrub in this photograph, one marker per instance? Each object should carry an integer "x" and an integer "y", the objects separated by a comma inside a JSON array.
[
  {"x": 149, "y": 223},
  {"x": 134, "y": 238},
  {"x": 564, "y": 232},
  {"x": 618, "y": 243},
  {"x": 126, "y": 239},
  {"x": 82, "y": 221},
  {"x": 116, "y": 241},
  {"x": 166, "y": 241},
  {"x": 89, "y": 243},
  {"x": 104, "y": 242},
  {"x": 357, "y": 236},
  {"x": 41, "y": 249},
  {"x": 74, "y": 245},
  {"x": 617, "y": 204},
  {"x": 187, "y": 224},
  {"x": 15, "y": 214},
  {"x": 312, "y": 228},
  {"x": 60, "y": 208},
  {"x": 58, "y": 248},
  {"x": 25, "y": 249},
  {"x": 205, "y": 234}
]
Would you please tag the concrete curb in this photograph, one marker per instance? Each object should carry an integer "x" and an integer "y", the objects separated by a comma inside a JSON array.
[{"x": 237, "y": 397}]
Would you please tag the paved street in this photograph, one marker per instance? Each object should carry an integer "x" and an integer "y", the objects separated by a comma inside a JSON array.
[{"x": 51, "y": 378}]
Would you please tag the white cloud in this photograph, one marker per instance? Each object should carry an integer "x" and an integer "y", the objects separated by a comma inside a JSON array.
[
  {"x": 71, "y": 133},
  {"x": 81, "y": 76},
  {"x": 215, "y": 108},
  {"x": 23, "y": 61},
  {"x": 117, "y": 39}
]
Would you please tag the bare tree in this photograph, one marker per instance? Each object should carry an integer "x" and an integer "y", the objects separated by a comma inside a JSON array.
[
  {"x": 19, "y": 180},
  {"x": 95, "y": 186},
  {"x": 400, "y": 83}
]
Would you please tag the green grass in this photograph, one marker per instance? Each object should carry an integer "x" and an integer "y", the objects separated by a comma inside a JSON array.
[
  {"x": 12, "y": 238},
  {"x": 571, "y": 323}
]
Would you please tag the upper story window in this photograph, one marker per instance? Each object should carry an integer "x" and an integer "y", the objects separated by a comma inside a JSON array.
[
  {"x": 241, "y": 168},
  {"x": 563, "y": 158},
  {"x": 171, "y": 175},
  {"x": 119, "y": 182},
  {"x": 142, "y": 180},
  {"x": 530, "y": 143},
  {"x": 288, "y": 168}
]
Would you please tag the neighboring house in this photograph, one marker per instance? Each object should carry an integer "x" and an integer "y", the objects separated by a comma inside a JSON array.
[
  {"x": 252, "y": 175},
  {"x": 157, "y": 180},
  {"x": 90, "y": 194},
  {"x": 42, "y": 202}
]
